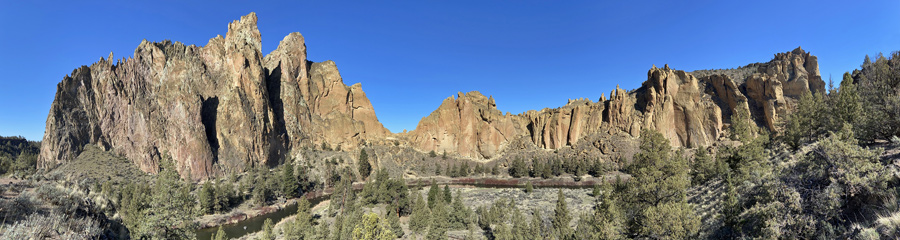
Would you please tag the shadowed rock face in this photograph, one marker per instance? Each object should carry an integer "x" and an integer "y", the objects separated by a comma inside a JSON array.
[{"x": 220, "y": 107}]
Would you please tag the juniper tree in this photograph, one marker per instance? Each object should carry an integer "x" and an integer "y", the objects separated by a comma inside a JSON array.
[
  {"x": 288, "y": 180},
  {"x": 206, "y": 198},
  {"x": 268, "y": 227},
  {"x": 434, "y": 195},
  {"x": 418, "y": 220},
  {"x": 365, "y": 168},
  {"x": 561, "y": 217},
  {"x": 447, "y": 195},
  {"x": 656, "y": 192},
  {"x": 394, "y": 222}
]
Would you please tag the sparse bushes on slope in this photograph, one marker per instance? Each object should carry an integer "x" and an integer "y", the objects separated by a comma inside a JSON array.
[{"x": 835, "y": 185}]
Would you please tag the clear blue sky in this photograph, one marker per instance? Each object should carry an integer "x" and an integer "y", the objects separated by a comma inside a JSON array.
[{"x": 411, "y": 55}]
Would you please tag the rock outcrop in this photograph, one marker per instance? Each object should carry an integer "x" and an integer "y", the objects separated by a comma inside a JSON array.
[
  {"x": 778, "y": 84},
  {"x": 689, "y": 110},
  {"x": 468, "y": 124},
  {"x": 674, "y": 103},
  {"x": 212, "y": 109},
  {"x": 564, "y": 126}
]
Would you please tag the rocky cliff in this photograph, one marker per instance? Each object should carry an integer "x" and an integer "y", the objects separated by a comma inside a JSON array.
[
  {"x": 225, "y": 107},
  {"x": 690, "y": 109},
  {"x": 468, "y": 124},
  {"x": 220, "y": 107}
]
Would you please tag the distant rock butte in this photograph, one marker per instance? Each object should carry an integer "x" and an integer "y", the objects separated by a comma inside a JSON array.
[
  {"x": 225, "y": 107},
  {"x": 220, "y": 107}
]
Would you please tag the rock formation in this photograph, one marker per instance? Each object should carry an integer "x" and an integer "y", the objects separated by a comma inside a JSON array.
[
  {"x": 220, "y": 107},
  {"x": 674, "y": 103},
  {"x": 689, "y": 110},
  {"x": 225, "y": 107},
  {"x": 468, "y": 124},
  {"x": 564, "y": 126},
  {"x": 781, "y": 81}
]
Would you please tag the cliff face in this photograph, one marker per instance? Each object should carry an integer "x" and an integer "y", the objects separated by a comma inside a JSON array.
[
  {"x": 689, "y": 110},
  {"x": 674, "y": 103},
  {"x": 220, "y": 107},
  {"x": 468, "y": 124}
]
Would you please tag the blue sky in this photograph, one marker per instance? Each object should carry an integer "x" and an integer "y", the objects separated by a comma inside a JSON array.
[{"x": 410, "y": 55}]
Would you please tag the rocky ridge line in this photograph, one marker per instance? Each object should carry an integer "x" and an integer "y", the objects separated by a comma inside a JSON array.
[{"x": 688, "y": 110}]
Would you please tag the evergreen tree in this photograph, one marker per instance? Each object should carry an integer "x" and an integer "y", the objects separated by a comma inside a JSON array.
[
  {"x": 439, "y": 222},
  {"x": 224, "y": 192},
  {"x": 324, "y": 232},
  {"x": 460, "y": 215},
  {"x": 220, "y": 234},
  {"x": 807, "y": 122},
  {"x": 657, "y": 191},
  {"x": 464, "y": 169},
  {"x": 365, "y": 168},
  {"x": 518, "y": 168},
  {"x": 268, "y": 227},
  {"x": 536, "y": 168},
  {"x": 847, "y": 106},
  {"x": 556, "y": 169},
  {"x": 704, "y": 167},
  {"x": 503, "y": 232},
  {"x": 171, "y": 210},
  {"x": 302, "y": 226},
  {"x": 434, "y": 195},
  {"x": 741, "y": 124},
  {"x": 584, "y": 227},
  {"x": 608, "y": 219},
  {"x": 394, "y": 222},
  {"x": 561, "y": 217},
  {"x": 520, "y": 227},
  {"x": 670, "y": 220},
  {"x": 419, "y": 219},
  {"x": 447, "y": 195},
  {"x": 288, "y": 180},
  {"x": 657, "y": 176},
  {"x": 206, "y": 198},
  {"x": 537, "y": 225}
]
